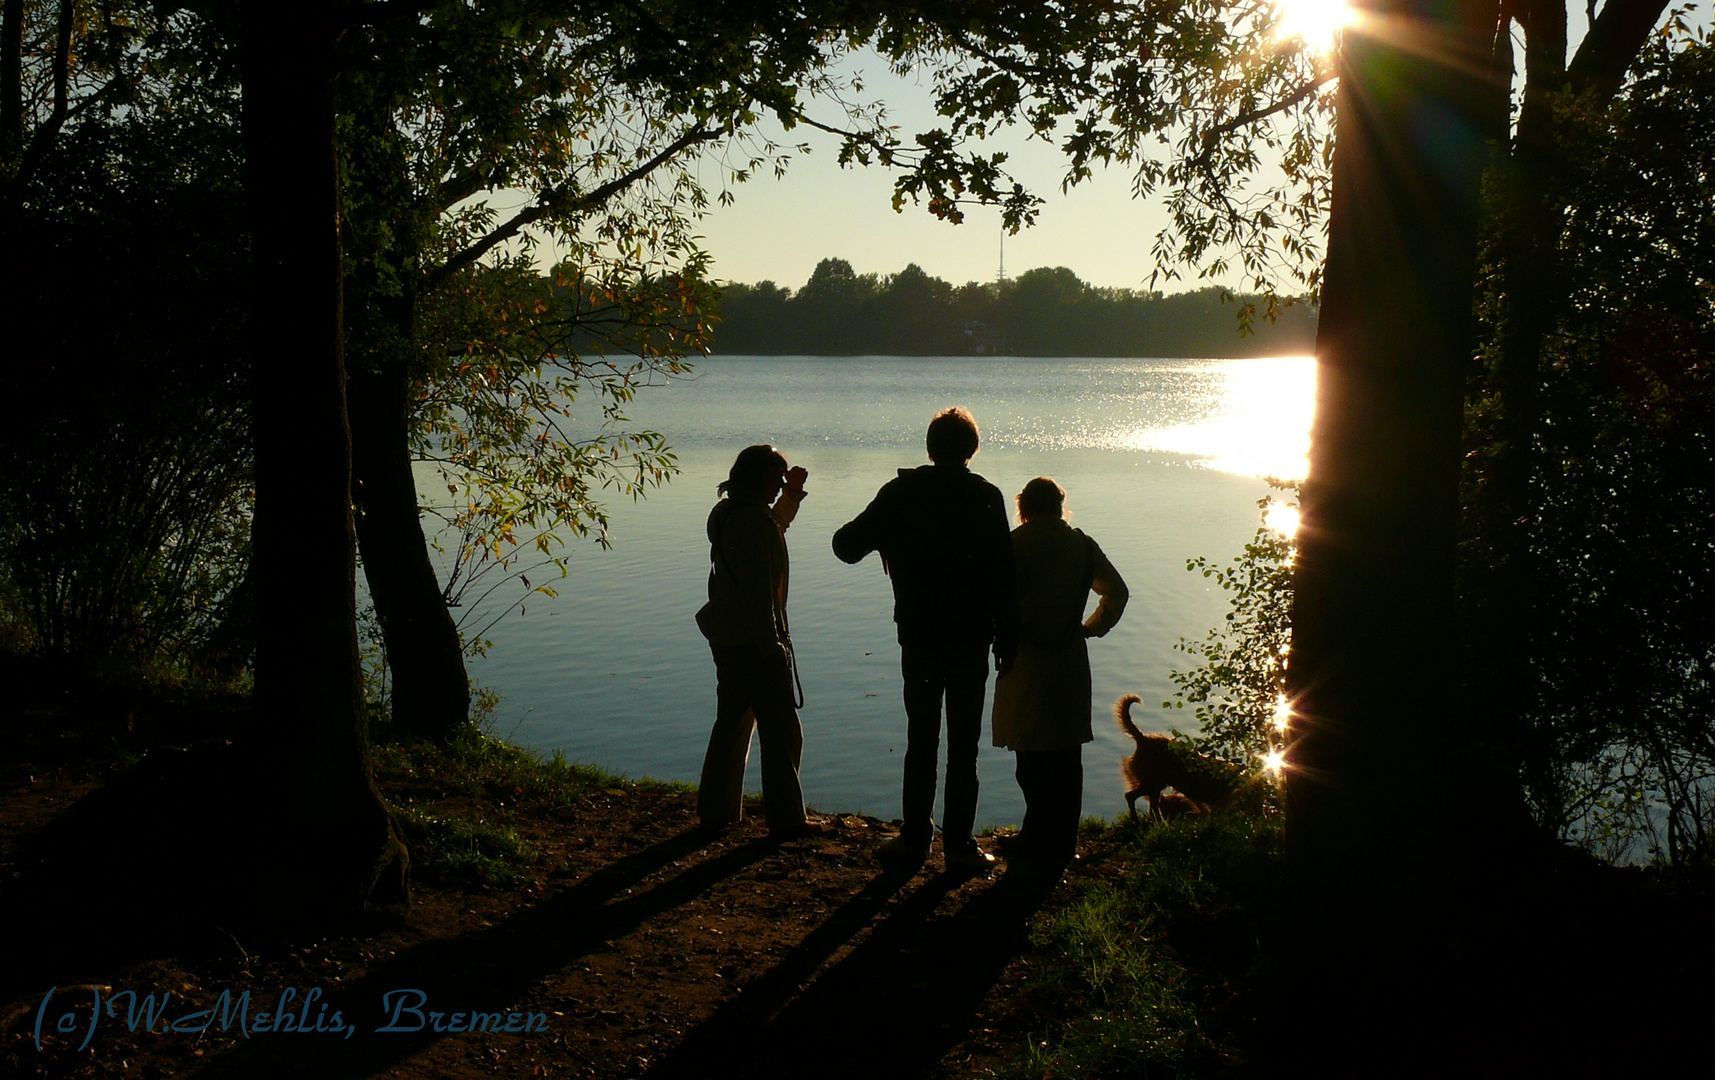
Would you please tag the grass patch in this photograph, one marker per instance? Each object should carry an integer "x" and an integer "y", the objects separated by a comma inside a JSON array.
[
  {"x": 462, "y": 844},
  {"x": 477, "y": 765},
  {"x": 457, "y": 850},
  {"x": 1157, "y": 971}
]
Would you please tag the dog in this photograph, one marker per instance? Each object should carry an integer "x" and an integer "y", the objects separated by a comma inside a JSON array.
[
  {"x": 1157, "y": 764},
  {"x": 1172, "y": 806}
]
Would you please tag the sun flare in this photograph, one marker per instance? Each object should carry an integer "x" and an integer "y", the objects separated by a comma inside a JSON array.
[
  {"x": 1316, "y": 22},
  {"x": 1282, "y": 518}
]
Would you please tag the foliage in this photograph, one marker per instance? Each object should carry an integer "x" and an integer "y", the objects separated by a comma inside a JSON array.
[
  {"x": 125, "y": 482},
  {"x": 1158, "y": 970},
  {"x": 1619, "y": 729},
  {"x": 1238, "y": 689},
  {"x": 1206, "y": 103},
  {"x": 526, "y": 428},
  {"x": 612, "y": 119},
  {"x": 1042, "y": 312}
]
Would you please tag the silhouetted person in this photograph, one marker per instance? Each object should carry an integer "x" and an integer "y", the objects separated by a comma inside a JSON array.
[
  {"x": 941, "y": 530},
  {"x": 745, "y": 622},
  {"x": 1042, "y": 703}
]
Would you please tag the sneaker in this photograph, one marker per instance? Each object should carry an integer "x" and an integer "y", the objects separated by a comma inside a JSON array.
[
  {"x": 969, "y": 859},
  {"x": 902, "y": 852}
]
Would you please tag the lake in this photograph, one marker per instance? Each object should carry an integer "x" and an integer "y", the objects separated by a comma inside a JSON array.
[{"x": 1162, "y": 461}]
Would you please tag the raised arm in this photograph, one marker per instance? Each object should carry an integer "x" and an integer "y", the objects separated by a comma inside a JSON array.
[{"x": 785, "y": 508}]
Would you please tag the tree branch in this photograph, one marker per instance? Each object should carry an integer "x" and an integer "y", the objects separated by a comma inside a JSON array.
[
  {"x": 1285, "y": 103},
  {"x": 1614, "y": 41},
  {"x": 1213, "y": 136},
  {"x": 46, "y": 134},
  {"x": 11, "y": 76},
  {"x": 455, "y": 190},
  {"x": 558, "y": 201}
]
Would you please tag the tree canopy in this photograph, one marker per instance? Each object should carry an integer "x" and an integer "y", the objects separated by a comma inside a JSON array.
[{"x": 1047, "y": 311}]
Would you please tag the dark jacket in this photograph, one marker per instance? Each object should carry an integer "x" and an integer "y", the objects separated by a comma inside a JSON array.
[
  {"x": 943, "y": 538},
  {"x": 748, "y": 571}
]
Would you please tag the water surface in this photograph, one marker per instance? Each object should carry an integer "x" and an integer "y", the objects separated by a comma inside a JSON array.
[{"x": 1162, "y": 461}]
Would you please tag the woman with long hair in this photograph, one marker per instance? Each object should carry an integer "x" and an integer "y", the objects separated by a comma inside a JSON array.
[{"x": 745, "y": 623}]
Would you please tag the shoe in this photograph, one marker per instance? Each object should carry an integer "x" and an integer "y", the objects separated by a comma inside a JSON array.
[
  {"x": 799, "y": 831},
  {"x": 903, "y": 853},
  {"x": 1034, "y": 871},
  {"x": 969, "y": 859}
]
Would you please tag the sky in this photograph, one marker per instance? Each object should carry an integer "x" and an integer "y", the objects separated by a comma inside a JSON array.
[{"x": 778, "y": 230}]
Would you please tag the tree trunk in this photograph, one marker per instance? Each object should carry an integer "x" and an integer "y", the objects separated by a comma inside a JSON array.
[
  {"x": 1531, "y": 292},
  {"x": 1372, "y": 670},
  {"x": 1525, "y": 244},
  {"x": 332, "y": 844},
  {"x": 431, "y": 692}
]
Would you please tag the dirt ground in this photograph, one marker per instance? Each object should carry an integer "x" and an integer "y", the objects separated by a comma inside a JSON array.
[{"x": 636, "y": 946}]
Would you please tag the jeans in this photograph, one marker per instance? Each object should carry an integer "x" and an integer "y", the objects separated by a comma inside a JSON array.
[{"x": 957, "y": 671}]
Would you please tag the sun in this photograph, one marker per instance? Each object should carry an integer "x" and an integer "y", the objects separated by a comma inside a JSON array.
[{"x": 1317, "y": 22}]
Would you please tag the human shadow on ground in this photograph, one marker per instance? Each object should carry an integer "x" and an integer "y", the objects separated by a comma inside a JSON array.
[
  {"x": 500, "y": 964},
  {"x": 892, "y": 1007},
  {"x": 735, "y": 1022}
]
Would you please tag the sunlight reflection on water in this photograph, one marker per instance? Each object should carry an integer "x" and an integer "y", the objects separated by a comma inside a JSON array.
[{"x": 1261, "y": 426}]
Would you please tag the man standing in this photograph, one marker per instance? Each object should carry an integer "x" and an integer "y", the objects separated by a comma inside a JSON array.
[{"x": 942, "y": 533}]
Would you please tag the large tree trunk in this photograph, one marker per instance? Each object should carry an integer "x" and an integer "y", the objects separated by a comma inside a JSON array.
[
  {"x": 431, "y": 692},
  {"x": 330, "y": 839},
  {"x": 1372, "y": 672}
]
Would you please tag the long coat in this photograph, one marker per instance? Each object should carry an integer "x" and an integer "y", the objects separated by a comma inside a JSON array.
[{"x": 1043, "y": 703}]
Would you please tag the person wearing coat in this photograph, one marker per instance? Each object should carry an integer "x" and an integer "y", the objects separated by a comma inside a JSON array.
[
  {"x": 745, "y": 624},
  {"x": 941, "y": 532},
  {"x": 1042, "y": 705}
]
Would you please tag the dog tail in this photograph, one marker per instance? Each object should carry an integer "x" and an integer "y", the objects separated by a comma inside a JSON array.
[{"x": 1122, "y": 714}]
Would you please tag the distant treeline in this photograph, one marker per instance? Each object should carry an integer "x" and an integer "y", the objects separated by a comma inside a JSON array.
[{"x": 1043, "y": 312}]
